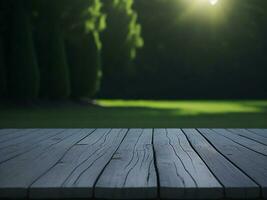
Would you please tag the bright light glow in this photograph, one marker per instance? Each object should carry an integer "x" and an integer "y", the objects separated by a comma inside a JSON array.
[
  {"x": 213, "y": 12},
  {"x": 213, "y": 2}
]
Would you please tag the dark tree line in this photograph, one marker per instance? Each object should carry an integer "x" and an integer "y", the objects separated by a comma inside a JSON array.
[
  {"x": 121, "y": 40},
  {"x": 132, "y": 49},
  {"x": 53, "y": 49},
  {"x": 207, "y": 52}
]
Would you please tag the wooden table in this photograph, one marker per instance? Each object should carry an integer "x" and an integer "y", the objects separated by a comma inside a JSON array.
[{"x": 133, "y": 163}]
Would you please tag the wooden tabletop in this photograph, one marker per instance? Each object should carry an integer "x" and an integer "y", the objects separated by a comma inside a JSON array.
[{"x": 133, "y": 163}]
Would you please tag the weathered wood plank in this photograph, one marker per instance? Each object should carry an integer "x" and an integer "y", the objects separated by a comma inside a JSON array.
[
  {"x": 250, "y": 162},
  {"x": 19, "y": 173},
  {"x": 75, "y": 175},
  {"x": 237, "y": 185},
  {"x": 246, "y": 134},
  {"x": 243, "y": 141},
  {"x": 131, "y": 173},
  {"x": 49, "y": 164},
  {"x": 18, "y": 148},
  {"x": 182, "y": 173},
  {"x": 16, "y": 135},
  {"x": 7, "y": 131},
  {"x": 261, "y": 132},
  {"x": 23, "y": 138}
]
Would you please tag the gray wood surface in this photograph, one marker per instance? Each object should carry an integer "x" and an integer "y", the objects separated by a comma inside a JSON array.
[
  {"x": 16, "y": 148},
  {"x": 237, "y": 185},
  {"x": 251, "y": 163},
  {"x": 261, "y": 132},
  {"x": 22, "y": 138},
  {"x": 243, "y": 141},
  {"x": 19, "y": 173},
  {"x": 75, "y": 174},
  {"x": 7, "y": 131},
  {"x": 16, "y": 135},
  {"x": 247, "y": 134},
  {"x": 133, "y": 163},
  {"x": 182, "y": 174},
  {"x": 131, "y": 173}
]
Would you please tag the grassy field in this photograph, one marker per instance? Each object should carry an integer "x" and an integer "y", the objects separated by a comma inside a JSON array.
[{"x": 119, "y": 113}]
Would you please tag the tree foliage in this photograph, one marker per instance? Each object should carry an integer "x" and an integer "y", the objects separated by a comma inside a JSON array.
[
  {"x": 84, "y": 46},
  {"x": 186, "y": 49},
  {"x": 144, "y": 49},
  {"x": 121, "y": 40}
]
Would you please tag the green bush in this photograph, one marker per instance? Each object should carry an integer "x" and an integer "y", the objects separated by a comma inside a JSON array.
[
  {"x": 121, "y": 41},
  {"x": 85, "y": 22},
  {"x": 23, "y": 70}
]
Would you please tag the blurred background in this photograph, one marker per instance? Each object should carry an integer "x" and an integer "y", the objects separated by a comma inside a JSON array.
[{"x": 133, "y": 63}]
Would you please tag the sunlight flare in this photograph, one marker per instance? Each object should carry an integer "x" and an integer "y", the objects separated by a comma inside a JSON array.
[{"x": 213, "y": 2}]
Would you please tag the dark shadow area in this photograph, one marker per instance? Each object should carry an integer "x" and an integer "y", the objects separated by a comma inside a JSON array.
[{"x": 56, "y": 57}]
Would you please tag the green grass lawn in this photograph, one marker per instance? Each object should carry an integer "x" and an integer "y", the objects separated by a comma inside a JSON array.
[{"x": 119, "y": 113}]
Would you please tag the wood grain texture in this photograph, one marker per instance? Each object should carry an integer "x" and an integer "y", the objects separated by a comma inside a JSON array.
[
  {"x": 22, "y": 138},
  {"x": 18, "y": 148},
  {"x": 7, "y": 131},
  {"x": 251, "y": 163},
  {"x": 236, "y": 184},
  {"x": 75, "y": 174},
  {"x": 131, "y": 173},
  {"x": 243, "y": 141},
  {"x": 247, "y": 134},
  {"x": 19, "y": 173},
  {"x": 133, "y": 163},
  {"x": 261, "y": 132},
  {"x": 182, "y": 174},
  {"x": 15, "y": 135}
]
